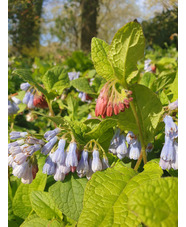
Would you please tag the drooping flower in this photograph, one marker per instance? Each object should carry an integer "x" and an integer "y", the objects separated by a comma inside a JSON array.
[
  {"x": 48, "y": 146},
  {"x": 20, "y": 158},
  {"x": 12, "y": 108},
  {"x": 58, "y": 176},
  {"x": 24, "y": 86},
  {"x": 30, "y": 103},
  {"x": 105, "y": 163},
  {"x": 134, "y": 150},
  {"x": 71, "y": 159},
  {"x": 114, "y": 142},
  {"x": 171, "y": 129},
  {"x": 90, "y": 171},
  {"x": 50, "y": 134},
  {"x": 32, "y": 140},
  {"x": 59, "y": 155},
  {"x": 83, "y": 167},
  {"x": 49, "y": 167},
  {"x": 173, "y": 105},
  {"x": 122, "y": 147},
  {"x": 16, "y": 135},
  {"x": 168, "y": 150},
  {"x": 130, "y": 138},
  {"x": 96, "y": 162},
  {"x": 26, "y": 97},
  {"x": 20, "y": 170},
  {"x": 16, "y": 143}
]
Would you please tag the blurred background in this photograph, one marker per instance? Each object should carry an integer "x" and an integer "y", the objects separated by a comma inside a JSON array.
[{"x": 51, "y": 27}]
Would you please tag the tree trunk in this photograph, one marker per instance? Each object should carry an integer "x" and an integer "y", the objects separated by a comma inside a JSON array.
[{"x": 89, "y": 13}]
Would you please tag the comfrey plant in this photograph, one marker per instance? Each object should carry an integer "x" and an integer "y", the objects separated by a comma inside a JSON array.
[{"x": 108, "y": 165}]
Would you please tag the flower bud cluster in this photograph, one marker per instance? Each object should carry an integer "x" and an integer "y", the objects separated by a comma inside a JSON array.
[
  {"x": 20, "y": 153},
  {"x": 33, "y": 99},
  {"x": 110, "y": 101},
  {"x": 169, "y": 153},
  {"x": 12, "y": 105}
]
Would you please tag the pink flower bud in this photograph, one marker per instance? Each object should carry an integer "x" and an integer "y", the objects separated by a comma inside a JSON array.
[
  {"x": 109, "y": 110},
  {"x": 116, "y": 109},
  {"x": 121, "y": 107}
]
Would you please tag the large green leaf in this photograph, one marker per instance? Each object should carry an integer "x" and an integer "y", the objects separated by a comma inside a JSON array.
[
  {"x": 148, "y": 110},
  {"x": 82, "y": 84},
  {"x": 101, "y": 194},
  {"x": 68, "y": 195},
  {"x": 156, "y": 204},
  {"x": 126, "y": 49},
  {"x": 99, "y": 51},
  {"x": 21, "y": 201},
  {"x": 56, "y": 79},
  {"x": 107, "y": 193},
  {"x": 124, "y": 216},
  {"x": 44, "y": 206}
]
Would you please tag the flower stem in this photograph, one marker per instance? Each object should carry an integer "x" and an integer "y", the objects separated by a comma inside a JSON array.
[
  {"x": 140, "y": 133},
  {"x": 138, "y": 162}
]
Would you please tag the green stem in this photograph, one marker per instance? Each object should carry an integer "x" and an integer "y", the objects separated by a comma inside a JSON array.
[
  {"x": 51, "y": 110},
  {"x": 140, "y": 133},
  {"x": 138, "y": 162}
]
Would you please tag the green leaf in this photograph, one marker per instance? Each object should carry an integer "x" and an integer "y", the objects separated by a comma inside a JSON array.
[
  {"x": 165, "y": 78},
  {"x": 151, "y": 171},
  {"x": 56, "y": 79},
  {"x": 101, "y": 128},
  {"x": 147, "y": 79},
  {"x": 158, "y": 206},
  {"x": 126, "y": 49},
  {"x": 58, "y": 120},
  {"x": 44, "y": 206},
  {"x": 106, "y": 195},
  {"x": 174, "y": 88},
  {"x": 99, "y": 52},
  {"x": 149, "y": 110},
  {"x": 36, "y": 222},
  {"x": 26, "y": 75},
  {"x": 82, "y": 84},
  {"x": 11, "y": 215},
  {"x": 68, "y": 195},
  {"x": 101, "y": 194},
  {"x": 21, "y": 201}
]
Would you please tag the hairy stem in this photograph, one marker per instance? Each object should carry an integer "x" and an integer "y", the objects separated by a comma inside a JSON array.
[
  {"x": 50, "y": 109},
  {"x": 140, "y": 133},
  {"x": 138, "y": 162}
]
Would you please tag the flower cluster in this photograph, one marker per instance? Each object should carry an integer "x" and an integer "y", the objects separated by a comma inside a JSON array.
[
  {"x": 12, "y": 105},
  {"x": 20, "y": 156},
  {"x": 111, "y": 101},
  {"x": 61, "y": 161},
  {"x": 33, "y": 99},
  {"x": 169, "y": 153},
  {"x": 128, "y": 146}
]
